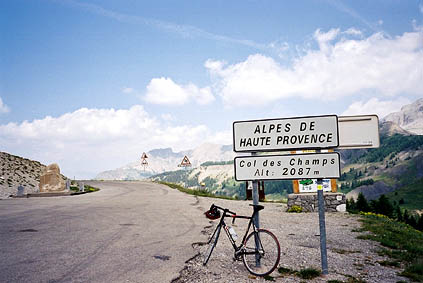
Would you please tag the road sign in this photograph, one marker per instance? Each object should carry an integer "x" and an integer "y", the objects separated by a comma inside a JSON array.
[
  {"x": 144, "y": 156},
  {"x": 287, "y": 167},
  {"x": 310, "y": 185},
  {"x": 185, "y": 162},
  {"x": 358, "y": 132},
  {"x": 315, "y": 132},
  {"x": 144, "y": 162}
]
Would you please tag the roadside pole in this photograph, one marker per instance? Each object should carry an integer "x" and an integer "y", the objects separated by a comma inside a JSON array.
[
  {"x": 322, "y": 225},
  {"x": 255, "y": 197},
  {"x": 256, "y": 219}
]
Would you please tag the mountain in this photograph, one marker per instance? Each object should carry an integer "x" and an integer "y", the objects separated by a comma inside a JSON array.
[
  {"x": 395, "y": 165},
  {"x": 389, "y": 128},
  {"x": 410, "y": 118},
  {"x": 165, "y": 160}
]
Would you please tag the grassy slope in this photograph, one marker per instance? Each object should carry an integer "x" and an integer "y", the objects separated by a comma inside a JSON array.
[
  {"x": 400, "y": 241},
  {"x": 386, "y": 160},
  {"x": 412, "y": 195}
]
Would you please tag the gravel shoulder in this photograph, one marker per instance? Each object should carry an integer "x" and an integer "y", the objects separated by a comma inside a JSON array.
[{"x": 298, "y": 235}]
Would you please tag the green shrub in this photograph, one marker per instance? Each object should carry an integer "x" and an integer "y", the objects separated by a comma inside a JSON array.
[
  {"x": 308, "y": 273},
  {"x": 284, "y": 270},
  {"x": 295, "y": 209}
]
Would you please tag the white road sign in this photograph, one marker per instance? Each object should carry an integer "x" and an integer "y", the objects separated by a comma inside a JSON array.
[
  {"x": 358, "y": 131},
  {"x": 287, "y": 167},
  {"x": 283, "y": 134}
]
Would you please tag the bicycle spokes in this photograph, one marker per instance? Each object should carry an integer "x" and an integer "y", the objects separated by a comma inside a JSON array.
[{"x": 255, "y": 259}]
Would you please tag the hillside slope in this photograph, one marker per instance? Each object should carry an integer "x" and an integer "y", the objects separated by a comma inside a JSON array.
[
  {"x": 396, "y": 164},
  {"x": 16, "y": 171}
]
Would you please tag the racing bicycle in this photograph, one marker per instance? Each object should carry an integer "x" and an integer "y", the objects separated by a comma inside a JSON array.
[{"x": 259, "y": 250}]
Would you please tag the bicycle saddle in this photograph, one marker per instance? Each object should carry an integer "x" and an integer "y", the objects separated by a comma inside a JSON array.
[{"x": 257, "y": 207}]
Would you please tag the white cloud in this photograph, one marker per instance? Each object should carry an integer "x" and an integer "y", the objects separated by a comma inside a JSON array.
[
  {"x": 167, "y": 117},
  {"x": 88, "y": 141},
  {"x": 166, "y": 91},
  {"x": 340, "y": 67},
  {"x": 375, "y": 106},
  {"x": 127, "y": 90},
  {"x": 3, "y": 107},
  {"x": 353, "y": 31}
]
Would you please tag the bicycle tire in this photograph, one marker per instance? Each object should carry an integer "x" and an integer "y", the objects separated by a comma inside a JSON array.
[
  {"x": 212, "y": 243},
  {"x": 269, "y": 253}
]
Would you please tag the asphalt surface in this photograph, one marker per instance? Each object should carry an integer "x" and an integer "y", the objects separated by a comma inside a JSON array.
[{"x": 126, "y": 232}]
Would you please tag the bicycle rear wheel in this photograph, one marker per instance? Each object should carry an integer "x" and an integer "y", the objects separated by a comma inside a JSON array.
[
  {"x": 212, "y": 243},
  {"x": 267, "y": 252}
]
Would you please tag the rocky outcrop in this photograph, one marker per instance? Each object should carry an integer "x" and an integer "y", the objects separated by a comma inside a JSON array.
[
  {"x": 410, "y": 117},
  {"x": 16, "y": 171},
  {"x": 388, "y": 128},
  {"x": 51, "y": 180}
]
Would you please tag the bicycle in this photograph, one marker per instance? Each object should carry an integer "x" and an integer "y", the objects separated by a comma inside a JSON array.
[{"x": 260, "y": 250}]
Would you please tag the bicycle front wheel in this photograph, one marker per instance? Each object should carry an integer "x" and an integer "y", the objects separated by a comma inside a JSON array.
[
  {"x": 262, "y": 252},
  {"x": 212, "y": 243}
]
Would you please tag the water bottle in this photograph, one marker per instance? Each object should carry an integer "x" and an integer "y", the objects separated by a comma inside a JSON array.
[{"x": 233, "y": 233}]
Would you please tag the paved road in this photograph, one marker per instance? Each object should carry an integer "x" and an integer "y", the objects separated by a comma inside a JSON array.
[{"x": 126, "y": 232}]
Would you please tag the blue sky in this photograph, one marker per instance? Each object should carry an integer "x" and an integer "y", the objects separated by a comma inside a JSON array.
[{"x": 92, "y": 84}]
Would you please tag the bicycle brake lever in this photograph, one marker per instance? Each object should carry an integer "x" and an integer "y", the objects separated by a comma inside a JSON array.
[{"x": 233, "y": 219}]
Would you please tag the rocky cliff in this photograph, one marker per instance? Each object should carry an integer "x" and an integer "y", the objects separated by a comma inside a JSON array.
[
  {"x": 410, "y": 118},
  {"x": 17, "y": 171}
]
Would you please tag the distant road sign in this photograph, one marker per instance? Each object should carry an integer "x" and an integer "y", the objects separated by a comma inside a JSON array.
[
  {"x": 315, "y": 132},
  {"x": 287, "y": 167},
  {"x": 185, "y": 162},
  {"x": 144, "y": 156},
  {"x": 358, "y": 132}
]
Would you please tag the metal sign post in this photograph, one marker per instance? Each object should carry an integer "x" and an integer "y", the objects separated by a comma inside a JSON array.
[
  {"x": 256, "y": 218},
  {"x": 322, "y": 225}
]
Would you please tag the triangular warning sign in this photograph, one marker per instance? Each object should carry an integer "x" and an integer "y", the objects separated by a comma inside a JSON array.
[
  {"x": 144, "y": 162},
  {"x": 144, "y": 156},
  {"x": 185, "y": 162}
]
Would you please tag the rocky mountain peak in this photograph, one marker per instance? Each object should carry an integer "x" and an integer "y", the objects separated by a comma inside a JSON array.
[
  {"x": 410, "y": 118},
  {"x": 163, "y": 153}
]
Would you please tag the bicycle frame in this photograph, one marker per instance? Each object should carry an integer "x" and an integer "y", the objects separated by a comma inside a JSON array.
[{"x": 222, "y": 223}]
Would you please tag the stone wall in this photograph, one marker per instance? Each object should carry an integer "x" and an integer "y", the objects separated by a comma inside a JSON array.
[{"x": 309, "y": 202}]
